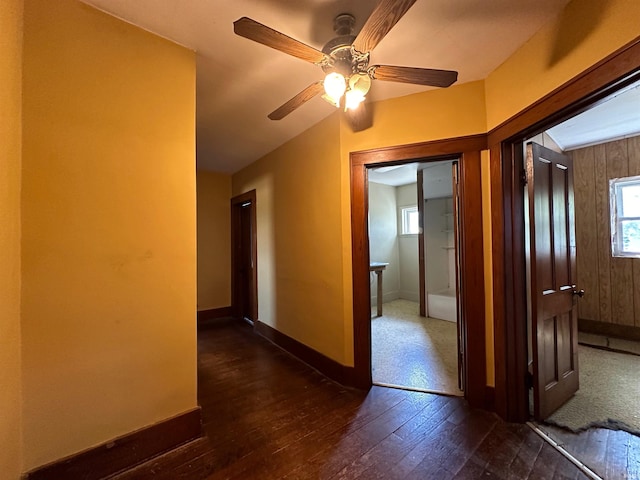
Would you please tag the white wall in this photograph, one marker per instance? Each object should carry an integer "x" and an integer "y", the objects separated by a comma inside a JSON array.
[
  {"x": 383, "y": 239},
  {"x": 386, "y": 244},
  {"x": 437, "y": 181},
  {"x": 407, "y": 195}
]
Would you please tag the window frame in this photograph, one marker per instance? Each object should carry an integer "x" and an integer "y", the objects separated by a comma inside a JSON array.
[
  {"x": 405, "y": 211},
  {"x": 616, "y": 209}
]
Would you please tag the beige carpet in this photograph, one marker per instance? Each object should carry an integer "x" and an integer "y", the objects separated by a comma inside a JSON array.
[
  {"x": 609, "y": 394},
  {"x": 412, "y": 351}
]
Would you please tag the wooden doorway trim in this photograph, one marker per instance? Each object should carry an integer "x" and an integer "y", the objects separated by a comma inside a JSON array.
[
  {"x": 236, "y": 207},
  {"x": 422, "y": 281},
  {"x": 618, "y": 70},
  {"x": 467, "y": 150}
]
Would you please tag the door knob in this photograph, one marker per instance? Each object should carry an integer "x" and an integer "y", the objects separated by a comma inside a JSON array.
[{"x": 579, "y": 293}]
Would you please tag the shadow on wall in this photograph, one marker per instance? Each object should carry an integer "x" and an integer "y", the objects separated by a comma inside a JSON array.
[{"x": 570, "y": 34}]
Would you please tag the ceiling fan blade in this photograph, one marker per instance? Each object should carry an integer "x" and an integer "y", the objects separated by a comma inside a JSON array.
[
  {"x": 361, "y": 118},
  {"x": 384, "y": 17},
  {"x": 418, "y": 76},
  {"x": 304, "y": 96},
  {"x": 248, "y": 28}
]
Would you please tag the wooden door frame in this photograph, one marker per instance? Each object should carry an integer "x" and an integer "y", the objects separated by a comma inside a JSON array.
[
  {"x": 616, "y": 71},
  {"x": 236, "y": 205},
  {"x": 467, "y": 151},
  {"x": 422, "y": 281}
]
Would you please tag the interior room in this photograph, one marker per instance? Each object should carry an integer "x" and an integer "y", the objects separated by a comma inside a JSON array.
[
  {"x": 604, "y": 147},
  {"x": 138, "y": 137},
  {"x": 410, "y": 350}
]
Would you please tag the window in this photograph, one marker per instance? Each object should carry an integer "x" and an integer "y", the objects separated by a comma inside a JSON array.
[
  {"x": 410, "y": 224},
  {"x": 624, "y": 194}
]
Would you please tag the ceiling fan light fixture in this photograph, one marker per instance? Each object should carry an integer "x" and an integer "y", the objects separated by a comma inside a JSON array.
[
  {"x": 328, "y": 99},
  {"x": 352, "y": 99},
  {"x": 345, "y": 60},
  {"x": 335, "y": 86},
  {"x": 360, "y": 82}
]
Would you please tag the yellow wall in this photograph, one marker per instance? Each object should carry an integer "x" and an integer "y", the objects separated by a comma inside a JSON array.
[
  {"x": 586, "y": 32},
  {"x": 214, "y": 240},
  {"x": 299, "y": 237},
  {"x": 108, "y": 229},
  {"x": 10, "y": 167},
  {"x": 440, "y": 113}
]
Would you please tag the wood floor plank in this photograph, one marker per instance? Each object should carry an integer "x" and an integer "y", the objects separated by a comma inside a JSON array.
[
  {"x": 448, "y": 454},
  {"x": 509, "y": 441},
  {"x": 269, "y": 416},
  {"x": 387, "y": 454},
  {"x": 616, "y": 459},
  {"x": 609, "y": 453},
  {"x": 329, "y": 462},
  {"x": 633, "y": 457},
  {"x": 274, "y": 464}
]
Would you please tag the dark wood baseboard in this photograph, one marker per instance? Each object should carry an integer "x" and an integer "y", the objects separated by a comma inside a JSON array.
[
  {"x": 124, "y": 452},
  {"x": 490, "y": 398},
  {"x": 332, "y": 369},
  {"x": 214, "y": 314},
  {"x": 609, "y": 329}
]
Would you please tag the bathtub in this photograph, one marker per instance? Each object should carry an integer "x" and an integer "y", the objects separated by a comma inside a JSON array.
[{"x": 442, "y": 304}]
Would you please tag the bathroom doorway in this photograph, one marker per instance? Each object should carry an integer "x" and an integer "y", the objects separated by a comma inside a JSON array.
[{"x": 415, "y": 341}]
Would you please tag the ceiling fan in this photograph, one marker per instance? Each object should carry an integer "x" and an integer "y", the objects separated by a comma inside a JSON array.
[{"x": 345, "y": 60}]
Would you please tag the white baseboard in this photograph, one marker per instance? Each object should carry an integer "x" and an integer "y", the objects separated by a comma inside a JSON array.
[
  {"x": 411, "y": 296},
  {"x": 386, "y": 297}
]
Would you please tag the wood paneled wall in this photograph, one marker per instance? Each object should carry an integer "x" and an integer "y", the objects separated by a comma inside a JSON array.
[{"x": 612, "y": 285}]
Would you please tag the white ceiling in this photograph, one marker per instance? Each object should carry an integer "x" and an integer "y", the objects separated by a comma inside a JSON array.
[
  {"x": 437, "y": 176},
  {"x": 239, "y": 81},
  {"x": 616, "y": 117},
  {"x": 395, "y": 176}
]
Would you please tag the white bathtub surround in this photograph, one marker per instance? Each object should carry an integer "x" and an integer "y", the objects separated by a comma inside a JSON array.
[
  {"x": 442, "y": 304},
  {"x": 440, "y": 259}
]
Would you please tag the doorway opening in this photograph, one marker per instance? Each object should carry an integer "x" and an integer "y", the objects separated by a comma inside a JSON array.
[
  {"x": 414, "y": 289},
  {"x": 609, "y": 77},
  {"x": 244, "y": 274},
  {"x": 471, "y": 311},
  {"x": 599, "y": 147}
]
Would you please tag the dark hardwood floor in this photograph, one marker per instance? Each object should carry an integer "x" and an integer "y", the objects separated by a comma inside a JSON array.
[
  {"x": 612, "y": 454},
  {"x": 267, "y": 416}
]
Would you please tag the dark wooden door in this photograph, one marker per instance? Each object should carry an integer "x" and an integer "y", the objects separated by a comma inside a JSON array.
[
  {"x": 243, "y": 258},
  {"x": 554, "y": 316},
  {"x": 245, "y": 262}
]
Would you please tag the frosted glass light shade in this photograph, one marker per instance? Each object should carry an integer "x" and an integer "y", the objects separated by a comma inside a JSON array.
[
  {"x": 360, "y": 82},
  {"x": 353, "y": 98},
  {"x": 335, "y": 85}
]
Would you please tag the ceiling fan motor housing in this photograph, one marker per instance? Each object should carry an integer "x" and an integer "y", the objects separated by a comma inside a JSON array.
[{"x": 339, "y": 48}]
